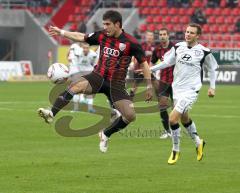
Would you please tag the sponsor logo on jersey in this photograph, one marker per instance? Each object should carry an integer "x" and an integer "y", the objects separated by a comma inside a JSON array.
[
  {"x": 186, "y": 57},
  {"x": 111, "y": 52}
]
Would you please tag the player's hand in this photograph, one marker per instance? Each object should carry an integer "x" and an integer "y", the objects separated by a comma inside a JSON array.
[
  {"x": 211, "y": 92},
  {"x": 53, "y": 31},
  {"x": 149, "y": 93}
]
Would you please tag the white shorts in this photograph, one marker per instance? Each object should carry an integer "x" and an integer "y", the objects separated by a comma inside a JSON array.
[{"x": 183, "y": 100}]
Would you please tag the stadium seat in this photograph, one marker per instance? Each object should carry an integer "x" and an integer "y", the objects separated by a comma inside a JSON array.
[
  {"x": 175, "y": 19},
  {"x": 212, "y": 44},
  {"x": 149, "y": 19},
  {"x": 206, "y": 28},
  {"x": 235, "y": 11},
  {"x": 73, "y": 27},
  {"x": 155, "y": 11},
  {"x": 217, "y": 11},
  {"x": 211, "y": 20},
  {"x": 144, "y": 3},
  {"x": 208, "y": 11},
  {"x": 170, "y": 27},
  {"x": 223, "y": 29},
  {"x": 223, "y": 3},
  {"x": 71, "y": 18},
  {"x": 190, "y": 11},
  {"x": 167, "y": 19},
  {"x": 164, "y": 11},
  {"x": 172, "y": 11},
  {"x": 77, "y": 10},
  {"x": 153, "y": 3},
  {"x": 48, "y": 10},
  {"x": 162, "y": 3},
  {"x": 143, "y": 28},
  {"x": 226, "y": 37},
  {"x": 146, "y": 11},
  {"x": 220, "y": 20},
  {"x": 182, "y": 11},
  {"x": 197, "y": 4},
  {"x": 159, "y": 26},
  {"x": 184, "y": 19},
  {"x": 226, "y": 11},
  {"x": 236, "y": 37},
  {"x": 214, "y": 29},
  {"x": 229, "y": 19},
  {"x": 157, "y": 19},
  {"x": 151, "y": 27}
]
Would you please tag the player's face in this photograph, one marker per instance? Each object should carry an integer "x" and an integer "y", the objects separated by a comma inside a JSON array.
[
  {"x": 163, "y": 36},
  {"x": 149, "y": 37},
  {"x": 191, "y": 35},
  {"x": 85, "y": 49},
  {"x": 110, "y": 28}
]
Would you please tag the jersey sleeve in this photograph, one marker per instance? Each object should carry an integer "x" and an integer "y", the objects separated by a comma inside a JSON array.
[
  {"x": 138, "y": 53},
  {"x": 211, "y": 65},
  {"x": 154, "y": 57},
  {"x": 170, "y": 56},
  {"x": 92, "y": 38}
]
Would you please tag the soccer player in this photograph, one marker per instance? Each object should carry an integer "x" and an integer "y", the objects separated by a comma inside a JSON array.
[
  {"x": 148, "y": 47},
  {"x": 116, "y": 50},
  {"x": 165, "y": 82},
  {"x": 82, "y": 61},
  {"x": 188, "y": 58}
]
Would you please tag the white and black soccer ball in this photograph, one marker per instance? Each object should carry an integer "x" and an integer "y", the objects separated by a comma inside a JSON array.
[{"x": 58, "y": 73}]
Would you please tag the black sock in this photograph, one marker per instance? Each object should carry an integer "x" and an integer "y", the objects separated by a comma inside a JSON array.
[
  {"x": 165, "y": 119},
  {"x": 62, "y": 100},
  {"x": 116, "y": 126},
  {"x": 175, "y": 126}
]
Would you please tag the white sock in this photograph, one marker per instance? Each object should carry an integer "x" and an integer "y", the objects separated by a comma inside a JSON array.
[
  {"x": 90, "y": 103},
  {"x": 82, "y": 98},
  {"x": 192, "y": 131},
  {"x": 176, "y": 139}
]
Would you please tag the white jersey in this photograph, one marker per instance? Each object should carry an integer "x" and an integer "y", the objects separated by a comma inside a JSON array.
[
  {"x": 80, "y": 62},
  {"x": 189, "y": 66}
]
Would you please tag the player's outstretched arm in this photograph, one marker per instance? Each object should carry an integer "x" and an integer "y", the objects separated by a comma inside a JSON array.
[
  {"x": 75, "y": 36},
  {"x": 147, "y": 76}
]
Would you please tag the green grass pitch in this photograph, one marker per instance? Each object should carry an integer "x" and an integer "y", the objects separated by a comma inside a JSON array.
[{"x": 34, "y": 158}]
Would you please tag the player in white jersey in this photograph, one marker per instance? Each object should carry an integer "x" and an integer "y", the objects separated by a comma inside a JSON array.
[
  {"x": 188, "y": 58},
  {"x": 82, "y": 61}
]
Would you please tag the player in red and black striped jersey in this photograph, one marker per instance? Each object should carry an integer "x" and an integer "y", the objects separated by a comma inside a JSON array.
[
  {"x": 116, "y": 50},
  {"x": 148, "y": 46},
  {"x": 166, "y": 78}
]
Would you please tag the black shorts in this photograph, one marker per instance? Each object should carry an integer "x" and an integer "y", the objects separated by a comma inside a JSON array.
[
  {"x": 165, "y": 90},
  {"x": 114, "y": 90}
]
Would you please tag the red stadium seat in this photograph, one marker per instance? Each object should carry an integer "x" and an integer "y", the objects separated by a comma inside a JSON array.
[
  {"x": 226, "y": 37},
  {"x": 226, "y": 11},
  {"x": 167, "y": 19},
  {"x": 146, "y": 11},
  {"x": 143, "y": 27},
  {"x": 235, "y": 11},
  {"x": 212, "y": 20},
  {"x": 175, "y": 19},
  {"x": 229, "y": 19},
  {"x": 157, "y": 19},
  {"x": 208, "y": 11},
  {"x": 170, "y": 27},
  {"x": 184, "y": 19},
  {"x": 236, "y": 37},
  {"x": 155, "y": 11},
  {"x": 77, "y": 10},
  {"x": 223, "y": 28},
  {"x": 189, "y": 11},
  {"x": 162, "y": 3},
  {"x": 214, "y": 29},
  {"x": 220, "y": 20},
  {"x": 73, "y": 27},
  {"x": 149, "y": 19},
  {"x": 172, "y": 11},
  {"x": 159, "y": 26},
  {"x": 206, "y": 28},
  {"x": 153, "y": 3},
  {"x": 212, "y": 45},
  {"x": 48, "y": 10},
  {"x": 182, "y": 11},
  {"x": 71, "y": 18},
  {"x": 151, "y": 27},
  {"x": 223, "y": 3},
  {"x": 217, "y": 11},
  {"x": 197, "y": 4},
  {"x": 164, "y": 11}
]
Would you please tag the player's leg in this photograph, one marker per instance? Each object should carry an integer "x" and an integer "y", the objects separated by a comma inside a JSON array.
[
  {"x": 174, "y": 119},
  {"x": 76, "y": 100},
  {"x": 89, "y": 100},
  {"x": 192, "y": 131},
  {"x": 163, "y": 101},
  {"x": 86, "y": 84}
]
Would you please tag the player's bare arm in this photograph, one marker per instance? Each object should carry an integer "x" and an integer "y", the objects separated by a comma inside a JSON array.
[
  {"x": 147, "y": 76},
  {"x": 75, "y": 36}
]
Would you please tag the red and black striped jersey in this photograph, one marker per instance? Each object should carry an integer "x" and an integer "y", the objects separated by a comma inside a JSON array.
[
  {"x": 166, "y": 74},
  {"x": 148, "y": 49},
  {"x": 115, "y": 54}
]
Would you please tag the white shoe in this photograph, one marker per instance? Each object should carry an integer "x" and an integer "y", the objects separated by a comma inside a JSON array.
[
  {"x": 46, "y": 114},
  {"x": 165, "y": 135},
  {"x": 114, "y": 115},
  {"x": 103, "y": 145}
]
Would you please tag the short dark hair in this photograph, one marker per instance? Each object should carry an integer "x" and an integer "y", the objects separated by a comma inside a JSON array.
[
  {"x": 113, "y": 16},
  {"x": 164, "y": 29},
  {"x": 199, "y": 29}
]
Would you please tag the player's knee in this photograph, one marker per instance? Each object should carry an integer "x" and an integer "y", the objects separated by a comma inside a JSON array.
[
  {"x": 130, "y": 116},
  {"x": 172, "y": 120}
]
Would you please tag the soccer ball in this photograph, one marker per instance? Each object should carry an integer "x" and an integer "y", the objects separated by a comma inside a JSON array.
[{"x": 58, "y": 73}]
